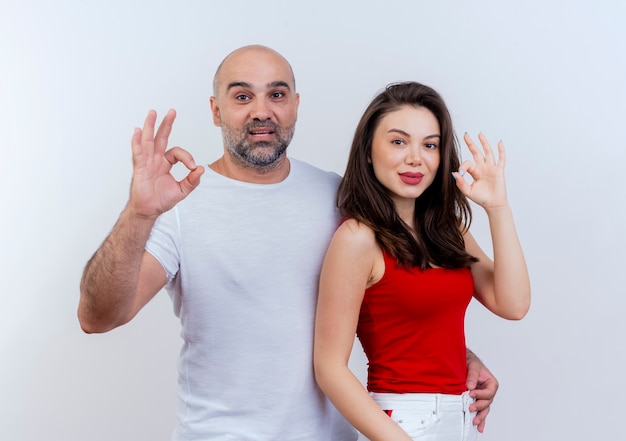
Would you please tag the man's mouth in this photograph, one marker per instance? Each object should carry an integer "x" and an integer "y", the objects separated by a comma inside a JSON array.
[{"x": 261, "y": 132}]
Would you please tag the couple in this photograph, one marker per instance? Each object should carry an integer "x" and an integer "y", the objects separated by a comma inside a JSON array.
[{"x": 240, "y": 253}]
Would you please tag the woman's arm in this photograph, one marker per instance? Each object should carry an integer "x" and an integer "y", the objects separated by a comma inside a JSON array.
[
  {"x": 502, "y": 285},
  {"x": 348, "y": 268}
]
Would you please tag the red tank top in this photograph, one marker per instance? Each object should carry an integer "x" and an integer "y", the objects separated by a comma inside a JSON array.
[{"x": 411, "y": 326}]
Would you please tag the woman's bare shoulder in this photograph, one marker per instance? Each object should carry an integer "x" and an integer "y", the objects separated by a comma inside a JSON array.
[{"x": 354, "y": 231}]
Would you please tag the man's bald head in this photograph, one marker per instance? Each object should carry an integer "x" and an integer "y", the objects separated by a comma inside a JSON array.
[{"x": 247, "y": 55}]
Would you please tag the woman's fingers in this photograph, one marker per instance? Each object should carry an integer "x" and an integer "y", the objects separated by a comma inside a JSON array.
[{"x": 488, "y": 152}]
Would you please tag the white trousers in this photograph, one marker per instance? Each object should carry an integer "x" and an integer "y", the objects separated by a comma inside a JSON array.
[{"x": 431, "y": 417}]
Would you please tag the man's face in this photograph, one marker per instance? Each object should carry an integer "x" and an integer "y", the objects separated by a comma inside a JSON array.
[{"x": 256, "y": 106}]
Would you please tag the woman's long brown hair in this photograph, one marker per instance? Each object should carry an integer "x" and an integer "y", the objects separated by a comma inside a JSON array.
[{"x": 442, "y": 213}]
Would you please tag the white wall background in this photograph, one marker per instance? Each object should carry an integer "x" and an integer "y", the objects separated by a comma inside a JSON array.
[{"x": 548, "y": 77}]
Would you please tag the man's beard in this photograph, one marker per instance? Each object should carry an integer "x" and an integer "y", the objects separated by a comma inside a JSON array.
[{"x": 260, "y": 155}]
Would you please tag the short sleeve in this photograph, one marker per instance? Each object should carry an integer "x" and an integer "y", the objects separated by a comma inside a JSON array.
[{"x": 164, "y": 242}]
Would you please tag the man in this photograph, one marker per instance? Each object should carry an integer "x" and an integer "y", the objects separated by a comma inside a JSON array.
[{"x": 240, "y": 257}]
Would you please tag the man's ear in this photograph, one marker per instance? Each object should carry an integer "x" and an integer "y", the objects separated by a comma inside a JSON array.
[{"x": 215, "y": 111}]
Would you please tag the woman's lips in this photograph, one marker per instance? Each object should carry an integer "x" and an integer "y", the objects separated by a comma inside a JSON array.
[{"x": 411, "y": 178}]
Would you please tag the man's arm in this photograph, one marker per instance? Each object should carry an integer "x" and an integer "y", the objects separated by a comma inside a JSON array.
[
  {"x": 121, "y": 277},
  {"x": 482, "y": 386}
]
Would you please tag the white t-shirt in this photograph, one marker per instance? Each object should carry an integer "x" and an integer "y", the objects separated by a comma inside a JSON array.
[{"x": 243, "y": 262}]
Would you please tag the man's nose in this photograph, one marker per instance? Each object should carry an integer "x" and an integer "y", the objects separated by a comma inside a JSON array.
[{"x": 261, "y": 109}]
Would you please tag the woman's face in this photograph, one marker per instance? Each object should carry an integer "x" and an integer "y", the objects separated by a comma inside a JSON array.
[{"x": 405, "y": 153}]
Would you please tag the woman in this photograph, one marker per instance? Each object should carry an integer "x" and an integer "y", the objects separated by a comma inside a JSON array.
[{"x": 403, "y": 266}]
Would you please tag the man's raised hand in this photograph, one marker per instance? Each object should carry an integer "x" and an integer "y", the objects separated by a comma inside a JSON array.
[{"x": 154, "y": 190}]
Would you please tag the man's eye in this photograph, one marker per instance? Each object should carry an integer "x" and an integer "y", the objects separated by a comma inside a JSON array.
[
  {"x": 242, "y": 97},
  {"x": 278, "y": 95}
]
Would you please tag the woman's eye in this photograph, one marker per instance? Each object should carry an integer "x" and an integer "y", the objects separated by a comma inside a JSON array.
[
  {"x": 397, "y": 142},
  {"x": 431, "y": 146}
]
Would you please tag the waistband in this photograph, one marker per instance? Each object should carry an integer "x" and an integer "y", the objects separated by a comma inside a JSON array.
[{"x": 434, "y": 402}]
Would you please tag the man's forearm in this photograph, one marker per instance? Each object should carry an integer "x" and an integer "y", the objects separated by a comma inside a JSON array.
[{"x": 109, "y": 283}]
